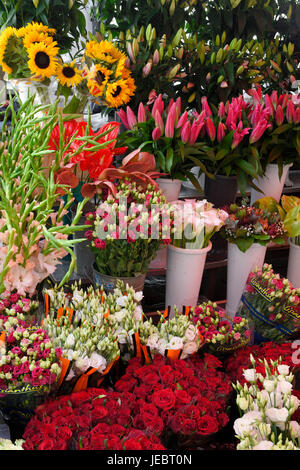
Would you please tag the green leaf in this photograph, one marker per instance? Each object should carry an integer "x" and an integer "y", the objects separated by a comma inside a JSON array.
[{"x": 244, "y": 243}]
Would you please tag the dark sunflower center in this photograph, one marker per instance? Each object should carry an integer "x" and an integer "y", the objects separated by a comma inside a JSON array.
[
  {"x": 42, "y": 60},
  {"x": 100, "y": 77},
  {"x": 117, "y": 91},
  {"x": 68, "y": 72}
]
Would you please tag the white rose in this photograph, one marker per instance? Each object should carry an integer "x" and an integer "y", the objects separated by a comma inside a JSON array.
[
  {"x": 269, "y": 385},
  {"x": 277, "y": 415},
  {"x": 245, "y": 424},
  {"x": 284, "y": 387},
  {"x": 137, "y": 315},
  {"x": 191, "y": 333},
  {"x": 83, "y": 363},
  {"x": 295, "y": 429},
  {"x": 138, "y": 296},
  {"x": 250, "y": 375},
  {"x": 175, "y": 343},
  {"x": 153, "y": 340},
  {"x": 122, "y": 301},
  {"x": 283, "y": 369},
  {"x": 98, "y": 362},
  {"x": 162, "y": 346},
  {"x": 70, "y": 341},
  {"x": 119, "y": 316},
  {"x": 190, "y": 348},
  {"x": 264, "y": 445}
]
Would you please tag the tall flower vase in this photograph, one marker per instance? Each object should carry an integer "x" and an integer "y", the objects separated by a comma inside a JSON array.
[
  {"x": 170, "y": 188},
  {"x": 184, "y": 276},
  {"x": 293, "y": 270},
  {"x": 270, "y": 183},
  {"x": 43, "y": 94},
  {"x": 239, "y": 266}
]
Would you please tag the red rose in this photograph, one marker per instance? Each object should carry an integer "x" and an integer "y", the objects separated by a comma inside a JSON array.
[
  {"x": 132, "y": 444},
  {"x": 189, "y": 426},
  {"x": 47, "y": 444},
  {"x": 101, "y": 428},
  {"x": 99, "y": 413},
  {"x": 125, "y": 385},
  {"x": 182, "y": 397},
  {"x": 207, "y": 425},
  {"x": 151, "y": 379},
  {"x": 164, "y": 399},
  {"x": 223, "y": 419},
  {"x": 177, "y": 422}
]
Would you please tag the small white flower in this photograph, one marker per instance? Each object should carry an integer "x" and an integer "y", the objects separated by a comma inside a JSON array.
[
  {"x": 295, "y": 429},
  {"x": 250, "y": 375},
  {"x": 264, "y": 445},
  {"x": 283, "y": 369},
  {"x": 284, "y": 387},
  {"x": 138, "y": 296},
  {"x": 277, "y": 415},
  {"x": 122, "y": 301},
  {"x": 98, "y": 362},
  {"x": 70, "y": 341},
  {"x": 175, "y": 343},
  {"x": 191, "y": 333},
  {"x": 190, "y": 348},
  {"x": 269, "y": 385},
  {"x": 82, "y": 363}
]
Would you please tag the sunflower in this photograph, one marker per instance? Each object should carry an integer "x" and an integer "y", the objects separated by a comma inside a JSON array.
[
  {"x": 103, "y": 51},
  {"x": 68, "y": 74},
  {"x": 118, "y": 93},
  {"x": 37, "y": 28},
  {"x": 33, "y": 37},
  {"x": 42, "y": 59},
  {"x": 8, "y": 33},
  {"x": 97, "y": 78}
]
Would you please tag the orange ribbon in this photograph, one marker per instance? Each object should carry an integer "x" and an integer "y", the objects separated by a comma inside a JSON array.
[
  {"x": 173, "y": 354},
  {"x": 108, "y": 368},
  {"x": 82, "y": 382},
  {"x": 64, "y": 367},
  {"x": 146, "y": 355}
]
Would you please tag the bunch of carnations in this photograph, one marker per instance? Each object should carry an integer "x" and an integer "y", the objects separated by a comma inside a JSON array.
[
  {"x": 128, "y": 228},
  {"x": 176, "y": 336},
  {"x": 96, "y": 419},
  {"x": 164, "y": 130},
  {"x": 195, "y": 222},
  {"x": 267, "y": 404},
  {"x": 80, "y": 167},
  {"x": 13, "y": 304},
  {"x": 269, "y": 351},
  {"x": 28, "y": 357},
  {"x": 187, "y": 398},
  {"x": 220, "y": 333},
  {"x": 246, "y": 225},
  {"x": 271, "y": 304}
]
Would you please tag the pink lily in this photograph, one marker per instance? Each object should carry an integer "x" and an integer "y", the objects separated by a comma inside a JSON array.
[
  {"x": 156, "y": 133},
  {"x": 159, "y": 121},
  {"x": 170, "y": 122},
  {"x": 130, "y": 117},
  {"x": 239, "y": 134},
  {"x": 221, "y": 132},
  {"x": 185, "y": 132},
  {"x": 205, "y": 106},
  {"x": 141, "y": 113},
  {"x": 279, "y": 115},
  {"x": 221, "y": 111},
  {"x": 123, "y": 116},
  {"x": 182, "y": 120},
  {"x": 195, "y": 131},
  {"x": 290, "y": 111},
  {"x": 258, "y": 131},
  {"x": 269, "y": 105},
  {"x": 158, "y": 105}
]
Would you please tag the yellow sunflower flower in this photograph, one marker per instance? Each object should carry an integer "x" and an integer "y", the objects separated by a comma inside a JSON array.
[
  {"x": 103, "y": 51},
  {"x": 97, "y": 78},
  {"x": 33, "y": 37},
  {"x": 35, "y": 27},
  {"x": 68, "y": 74},
  {"x": 8, "y": 33},
  {"x": 42, "y": 59},
  {"x": 118, "y": 93}
]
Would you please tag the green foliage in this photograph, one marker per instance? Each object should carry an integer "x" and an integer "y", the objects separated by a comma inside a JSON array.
[{"x": 63, "y": 15}]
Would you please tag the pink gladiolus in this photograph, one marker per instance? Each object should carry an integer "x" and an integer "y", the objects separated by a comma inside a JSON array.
[
  {"x": 156, "y": 133},
  {"x": 130, "y": 117},
  {"x": 258, "y": 131},
  {"x": 221, "y": 111},
  {"x": 290, "y": 111},
  {"x": 123, "y": 116},
  {"x": 170, "y": 122},
  {"x": 210, "y": 129},
  {"x": 279, "y": 115},
  {"x": 195, "y": 131},
  {"x": 158, "y": 121},
  {"x": 182, "y": 120},
  {"x": 220, "y": 132},
  {"x": 185, "y": 132},
  {"x": 141, "y": 113}
]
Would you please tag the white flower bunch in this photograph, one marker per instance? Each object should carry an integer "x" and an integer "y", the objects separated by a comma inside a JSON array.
[
  {"x": 267, "y": 405},
  {"x": 84, "y": 344},
  {"x": 7, "y": 444},
  {"x": 175, "y": 333}
]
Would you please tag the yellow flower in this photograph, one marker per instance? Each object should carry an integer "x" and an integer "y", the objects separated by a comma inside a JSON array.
[
  {"x": 97, "y": 78},
  {"x": 119, "y": 92},
  {"x": 103, "y": 51},
  {"x": 35, "y": 27},
  {"x": 34, "y": 36},
  {"x": 68, "y": 74},
  {"x": 8, "y": 33},
  {"x": 42, "y": 59}
]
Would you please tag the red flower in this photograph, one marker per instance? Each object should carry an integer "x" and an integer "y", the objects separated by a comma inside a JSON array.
[
  {"x": 164, "y": 399},
  {"x": 207, "y": 425}
]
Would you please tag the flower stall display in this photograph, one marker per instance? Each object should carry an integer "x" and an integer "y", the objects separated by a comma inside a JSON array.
[
  {"x": 272, "y": 305},
  {"x": 175, "y": 338},
  {"x": 30, "y": 368},
  {"x": 195, "y": 222},
  {"x": 127, "y": 229},
  {"x": 248, "y": 230},
  {"x": 266, "y": 404},
  {"x": 30, "y": 56},
  {"x": 190, "y": 397},
  {"x": 291, "y": 204},
  {"x": 221, "y": 334},
  {"x": 278, "y": 147},
  {"x": 33, "y": 237},
  {"x": 163, "y": 129},
  {"x": 95, "y": 419}
]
